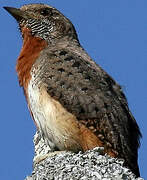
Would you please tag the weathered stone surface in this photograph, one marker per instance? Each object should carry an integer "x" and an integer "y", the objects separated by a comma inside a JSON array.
[{"x": 91, "y": 165}]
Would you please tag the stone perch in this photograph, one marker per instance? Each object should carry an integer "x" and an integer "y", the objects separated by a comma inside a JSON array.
[{"x": 91, "y": 165}]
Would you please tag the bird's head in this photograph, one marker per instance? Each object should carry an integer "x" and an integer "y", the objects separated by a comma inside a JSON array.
[{"x": 43, "y": 21}]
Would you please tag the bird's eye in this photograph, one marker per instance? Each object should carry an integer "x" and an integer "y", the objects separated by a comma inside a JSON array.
[{"x": 45, "y": 12}]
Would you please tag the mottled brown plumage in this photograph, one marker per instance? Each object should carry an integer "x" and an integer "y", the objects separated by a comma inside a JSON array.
[{"x": 74, "y": 102}]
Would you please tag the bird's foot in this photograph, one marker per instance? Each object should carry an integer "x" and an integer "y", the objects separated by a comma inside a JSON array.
[{"x": 40, "y": 158}]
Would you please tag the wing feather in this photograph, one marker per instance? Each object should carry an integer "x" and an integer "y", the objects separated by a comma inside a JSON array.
[{"x": 88, "y": 92}]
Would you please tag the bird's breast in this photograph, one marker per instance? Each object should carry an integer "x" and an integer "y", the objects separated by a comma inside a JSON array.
[{"x": 32, "y": 47}]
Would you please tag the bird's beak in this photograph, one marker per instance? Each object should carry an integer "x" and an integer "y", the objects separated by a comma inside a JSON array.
[{"x": 17, "y": 13}]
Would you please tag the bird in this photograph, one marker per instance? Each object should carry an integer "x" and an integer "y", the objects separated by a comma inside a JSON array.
[{"x": 74, "y": 103}]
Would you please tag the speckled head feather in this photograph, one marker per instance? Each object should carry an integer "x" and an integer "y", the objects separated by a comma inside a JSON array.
[{"x": 44, "y": 21}]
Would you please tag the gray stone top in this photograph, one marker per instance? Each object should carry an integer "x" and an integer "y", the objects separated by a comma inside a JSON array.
[{"x": 91, "y": 165}]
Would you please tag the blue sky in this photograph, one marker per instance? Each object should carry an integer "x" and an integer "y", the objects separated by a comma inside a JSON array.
[{"x": 114, "y": 33}]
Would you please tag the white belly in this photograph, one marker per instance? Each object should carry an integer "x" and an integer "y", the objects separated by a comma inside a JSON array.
[{"x": 59, "y": 127}]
